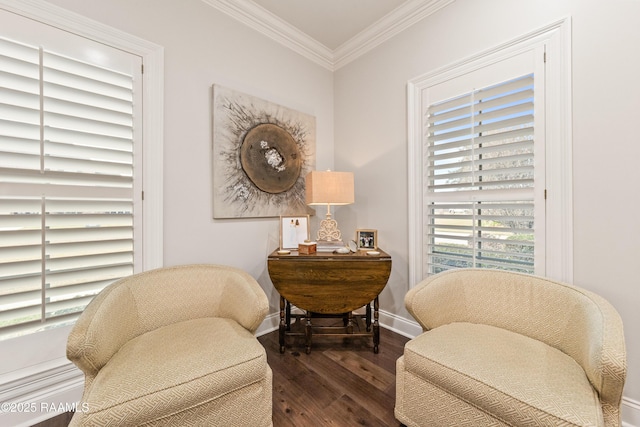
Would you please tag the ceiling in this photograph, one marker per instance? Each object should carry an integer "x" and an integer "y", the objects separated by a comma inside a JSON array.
[
  {"x": 330, "y": 22},
  {"x": 331, "y": 33}
]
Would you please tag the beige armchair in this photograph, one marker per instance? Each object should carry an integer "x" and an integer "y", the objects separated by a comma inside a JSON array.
[
  {"x": 508, "y": 349},
  {"x": 174, "y": 347}
]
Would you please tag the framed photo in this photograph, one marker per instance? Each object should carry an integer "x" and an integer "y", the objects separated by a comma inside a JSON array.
[
  {"x": 293, "y": 230},
  {"x": 367, "y": 239}
]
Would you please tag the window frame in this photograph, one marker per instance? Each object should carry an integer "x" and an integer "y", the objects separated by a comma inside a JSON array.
[
  {"x": 35, "y": 365},
  {"x": 555, "y": 38}
]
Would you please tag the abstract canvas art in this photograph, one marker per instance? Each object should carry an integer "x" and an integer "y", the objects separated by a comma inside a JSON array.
[{"x": 262, "y": 153}]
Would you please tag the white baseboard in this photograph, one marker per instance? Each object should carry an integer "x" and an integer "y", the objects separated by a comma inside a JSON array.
[
  {"x": 387, "y": 320},
  {"x": 39, "y": 393},
  {"x": 630, "y": 412},
  {"x": 399, "y": 325},
  {"x": 269, "y": 324}
]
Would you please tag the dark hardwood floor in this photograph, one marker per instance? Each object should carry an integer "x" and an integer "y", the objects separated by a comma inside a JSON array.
[
  {"x": 340, "y": 383},
  {"x": 62, "y": 420}
]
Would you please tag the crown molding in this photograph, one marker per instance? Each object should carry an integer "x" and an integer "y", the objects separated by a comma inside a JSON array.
[
  {"x": 270, "y": 25},
  {"x": 388, "y": 26}
]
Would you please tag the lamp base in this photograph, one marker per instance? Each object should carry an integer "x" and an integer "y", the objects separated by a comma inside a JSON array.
[
  {"x": 329, "y": 237},
  {"x": 329, "y": 245},
  {"x": 329, "y": 230}
]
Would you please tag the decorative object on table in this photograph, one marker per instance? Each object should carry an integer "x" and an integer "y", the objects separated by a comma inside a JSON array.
[
  {"x": 293, "y": 231},
  {"x": 329, "y": 188},
  {"x": 330, "y": 246},
  {"x": 307, "y": 248},
  {"x": 261, "y": 153},
  {"x": 367, "y": 239}
]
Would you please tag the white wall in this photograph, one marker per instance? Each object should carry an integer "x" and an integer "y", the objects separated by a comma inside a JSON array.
[
  {"x": 371, "y": 135},
  {"x": 204, "y": 46},
  {"x": 364, "y": 106}
]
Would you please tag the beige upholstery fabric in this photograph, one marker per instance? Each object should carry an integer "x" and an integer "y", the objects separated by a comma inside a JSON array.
[
  {"x": 503, "y": 348},
  {"x": 174, "y": 346}
]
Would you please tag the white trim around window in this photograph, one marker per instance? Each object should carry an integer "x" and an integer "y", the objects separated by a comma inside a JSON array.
[{"x": 556, "y": 38}]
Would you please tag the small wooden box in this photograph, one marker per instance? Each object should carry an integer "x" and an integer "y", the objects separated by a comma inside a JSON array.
[{"x": 307, "y": 248}]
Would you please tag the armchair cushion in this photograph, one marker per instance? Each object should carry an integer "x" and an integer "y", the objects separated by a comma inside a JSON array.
[
  {"x": 515, "y": 378},
  {"x": 186, "y": 364}
]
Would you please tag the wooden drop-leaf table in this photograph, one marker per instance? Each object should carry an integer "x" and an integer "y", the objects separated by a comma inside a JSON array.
[{"x": 326, "y": 284}]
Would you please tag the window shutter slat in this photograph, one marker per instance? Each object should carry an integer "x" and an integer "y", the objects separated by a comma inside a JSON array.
[
  {"x": 19, "y": 131},
  {"x": 16, "y": 51},
  {"x": 454, "y": 106},
  {"x": 71, "y": 151},
  {"x": 12, "y": 145},
  {"x": 78, "y": 166},
  {"x": 518, "y": 138},
  {"x": 75, "y": 98},
  {"x": 21, "y": 315},
  {"x": 518, "y": 102},
  {"x": 89, "y": 126},
  {"x": 19, "y": 162},
  {"x": 510, "y": 86},
  {"x": 19, "y": 106},
  {"x": 97, "y": 75},
  {"x": 511, "y": 100},
  {"x": 66, "y": 183},
  {"x": 96, "y": 277},
  {"x": 92, "y": 110},
  {"x": 67, "y": 308}
]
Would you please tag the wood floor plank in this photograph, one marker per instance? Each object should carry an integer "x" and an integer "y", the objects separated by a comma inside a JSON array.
[
  {"x": 346, "y": 412},
  {"x": 376, "y": 401},
  {"x": 365, "y": 369}
]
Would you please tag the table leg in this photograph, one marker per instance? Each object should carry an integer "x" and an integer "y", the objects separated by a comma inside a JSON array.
[
  {"x": 308, "y": 332},
  {"x": 288, "y": 316},
  {"x": 350, "y": 322},
  {"x": 282, "y": 324},
  {"x": 376, "y": 326},
  {"x": 369, "y": 317}
]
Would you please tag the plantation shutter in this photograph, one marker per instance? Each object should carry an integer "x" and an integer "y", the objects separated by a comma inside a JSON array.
[
  {"x": 480, "y": 179},
  {"x": 66, "y": 185}
]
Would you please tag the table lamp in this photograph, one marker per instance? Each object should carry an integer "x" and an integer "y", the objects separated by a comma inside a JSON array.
[{"x": 329, "y": 188}]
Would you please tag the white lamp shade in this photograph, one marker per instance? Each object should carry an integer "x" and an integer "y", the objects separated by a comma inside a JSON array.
[{"x": 329, "y": 188}]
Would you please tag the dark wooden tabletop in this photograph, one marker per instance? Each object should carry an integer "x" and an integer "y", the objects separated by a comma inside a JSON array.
[
  {"x": 359, "y": 255},
  {"x": 325, "y": 282}
]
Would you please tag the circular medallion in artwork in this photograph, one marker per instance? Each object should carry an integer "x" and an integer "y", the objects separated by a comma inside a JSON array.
[{"x": 271, "y": 158}]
